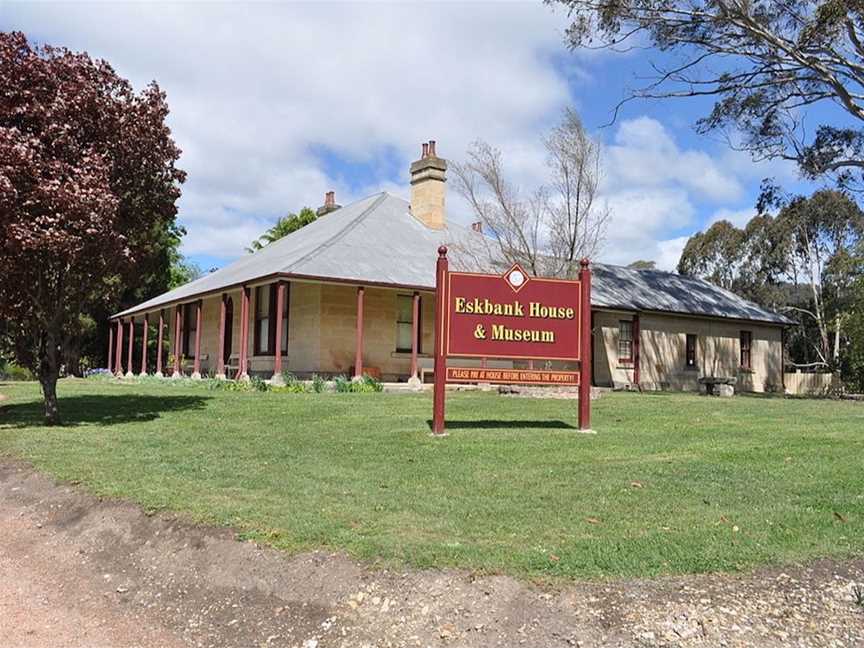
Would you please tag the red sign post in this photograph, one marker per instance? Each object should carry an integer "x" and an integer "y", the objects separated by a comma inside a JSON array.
[{"x": 511, "y": 316}]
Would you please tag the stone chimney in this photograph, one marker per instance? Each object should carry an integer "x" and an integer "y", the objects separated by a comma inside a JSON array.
[
  {"x": 329, "y": 204},
  {"x": 428, "y": 175}
]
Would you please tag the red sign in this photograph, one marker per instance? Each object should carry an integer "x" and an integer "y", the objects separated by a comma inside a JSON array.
[
  {"x": 512, "y": 316},
  {"x": 512, "y": 376}
]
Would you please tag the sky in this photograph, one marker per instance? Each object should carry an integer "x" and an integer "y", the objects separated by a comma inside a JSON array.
[{"x": 273, "y": 104}]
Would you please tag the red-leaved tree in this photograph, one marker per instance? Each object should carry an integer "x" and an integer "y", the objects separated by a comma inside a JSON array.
[{"x": 87, "y": 178}]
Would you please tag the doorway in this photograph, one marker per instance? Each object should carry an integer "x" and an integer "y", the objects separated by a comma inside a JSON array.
[{"x": 229, "y": 330}]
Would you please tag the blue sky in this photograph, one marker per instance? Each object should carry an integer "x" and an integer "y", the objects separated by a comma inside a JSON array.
[{"x": 274, "y": 104}]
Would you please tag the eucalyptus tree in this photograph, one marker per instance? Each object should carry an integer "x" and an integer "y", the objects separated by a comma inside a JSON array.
[{"x": 766, "y": 63}]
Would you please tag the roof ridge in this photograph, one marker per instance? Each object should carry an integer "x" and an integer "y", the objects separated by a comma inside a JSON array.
[{"x": 348, "y": 227}]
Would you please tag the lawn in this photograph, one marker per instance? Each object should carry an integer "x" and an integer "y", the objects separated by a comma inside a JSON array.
[{"x": 671, "y": 483}]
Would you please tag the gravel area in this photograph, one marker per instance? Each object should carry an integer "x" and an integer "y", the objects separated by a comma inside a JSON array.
[{"x": 79, "y": 571}]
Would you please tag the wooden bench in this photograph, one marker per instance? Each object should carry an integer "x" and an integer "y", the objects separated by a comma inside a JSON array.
[{"x": 232, "y": 367}]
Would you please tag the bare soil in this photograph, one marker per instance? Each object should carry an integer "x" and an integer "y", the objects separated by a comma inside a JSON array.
[{"x": 78, "y": 571}]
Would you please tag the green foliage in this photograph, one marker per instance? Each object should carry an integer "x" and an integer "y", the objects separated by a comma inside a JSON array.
[
  {"x": 714, "y": 255},
  {"x": 642, "y": 264},
  {"x": 853, "y": 369},
  {"x": 283, "y": 227},
  {"x": 512, "y": 484},
  {"x": 172, "y": 359},
  {"x": 341, "y": 384},
  {"x": 227, "y": 385},
  {"x": 258, "y": 384},
  {"x": 785, "y": 75},
  {"x": 366, "y": 385},
  {"x": 319, "y": 385},
  {"x": 182, "y": 271},
  {"x": 292, "y": 384},
  {"x": 804, "y": 262},
  {"x": 12, "y": 371}
]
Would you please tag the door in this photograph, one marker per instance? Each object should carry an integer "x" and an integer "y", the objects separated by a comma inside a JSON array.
[{"x": 229, "y": 329}]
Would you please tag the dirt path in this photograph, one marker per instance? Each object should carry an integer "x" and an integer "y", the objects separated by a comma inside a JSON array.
[{"x": 76, "y": 571}]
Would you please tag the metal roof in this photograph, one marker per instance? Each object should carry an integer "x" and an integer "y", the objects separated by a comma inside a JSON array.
[
  {"x": 376, "y": 240},
  {"x": 653, "y": 290}
]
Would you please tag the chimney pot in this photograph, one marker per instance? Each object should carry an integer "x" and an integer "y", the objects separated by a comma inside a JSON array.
[
  {"x": 477, "y": 227},
  {"x": 432, "y": 148},
  {"x": 329, "y": 204},
  {"x": 425, "y": 153}
]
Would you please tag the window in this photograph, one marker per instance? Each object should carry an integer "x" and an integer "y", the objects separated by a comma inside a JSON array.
[
  {"x": 265, "y": 320},
  {"x": 262, "y": 320},
  {"x": 625, "y": 341},
  {"x": 746, "y": 345},
  {"x": 691, "y": 351},
  {"x": 190, "y": 328},
  {"x": 405, "y": 324}
]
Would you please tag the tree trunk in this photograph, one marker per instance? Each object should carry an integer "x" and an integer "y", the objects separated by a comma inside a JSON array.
[
  {"x": 49, "y": 393},
  {"x": 49, "y": 370},
  {"x": 837, "y": 342}
]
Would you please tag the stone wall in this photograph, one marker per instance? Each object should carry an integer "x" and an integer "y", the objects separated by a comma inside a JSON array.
[{"x": 663, "y": 349}]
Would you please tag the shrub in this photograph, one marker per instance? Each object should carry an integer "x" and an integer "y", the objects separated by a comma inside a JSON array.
[
  {"x": 341, "y": 384},
  {"x": 319, "y": 385},
  {"x": 12, "y": 371},
  {"x": 257, "y": 384},
  {"x": 367, "y": 384},
  {"x": 292, "y": 384},
  {"x": 226, "y": 385}
]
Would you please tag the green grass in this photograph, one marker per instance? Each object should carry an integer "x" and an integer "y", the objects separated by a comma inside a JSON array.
[{"x": 671, "y": 483}]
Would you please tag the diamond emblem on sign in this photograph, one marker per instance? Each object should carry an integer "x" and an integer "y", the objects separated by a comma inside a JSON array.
[{"x": 516, "y": 278}]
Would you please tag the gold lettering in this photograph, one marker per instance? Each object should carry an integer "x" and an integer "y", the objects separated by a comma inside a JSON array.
[
  {"x": 475, "y": 306},
  {"x": 538, "y": 310},
  {"x": 506, "y": 334}
]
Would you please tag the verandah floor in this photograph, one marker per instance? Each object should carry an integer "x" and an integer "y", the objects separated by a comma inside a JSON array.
[{"x": 671, "y": 483}]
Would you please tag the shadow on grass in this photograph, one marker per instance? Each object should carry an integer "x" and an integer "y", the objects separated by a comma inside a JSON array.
[
  {"x": 489, "y": 424},
  {"x": 100, "y": 409}
]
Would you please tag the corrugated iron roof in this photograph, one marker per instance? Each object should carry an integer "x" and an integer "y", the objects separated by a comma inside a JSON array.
[
  {"x": 376, "y": 240},
  {"x": 654, "y": 290}
]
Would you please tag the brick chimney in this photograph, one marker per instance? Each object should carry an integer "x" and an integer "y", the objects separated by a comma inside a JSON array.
[
  {"x": 329, "y": 204},
  {"x": 428, "y": 175}
]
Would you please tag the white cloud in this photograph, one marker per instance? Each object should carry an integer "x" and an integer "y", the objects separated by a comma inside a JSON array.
[
  {"x": 653, "y": 187},
  {"x": 264, "y": 97},
  {"x": 738, "y": 217},
  {"x": 256, "y": 91},
  {"x": 640, "y": 220},
  {"x": 669, "y": 252},
  {"x": 644, "y": 153},
  {"x": 742, "y": 164}
]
